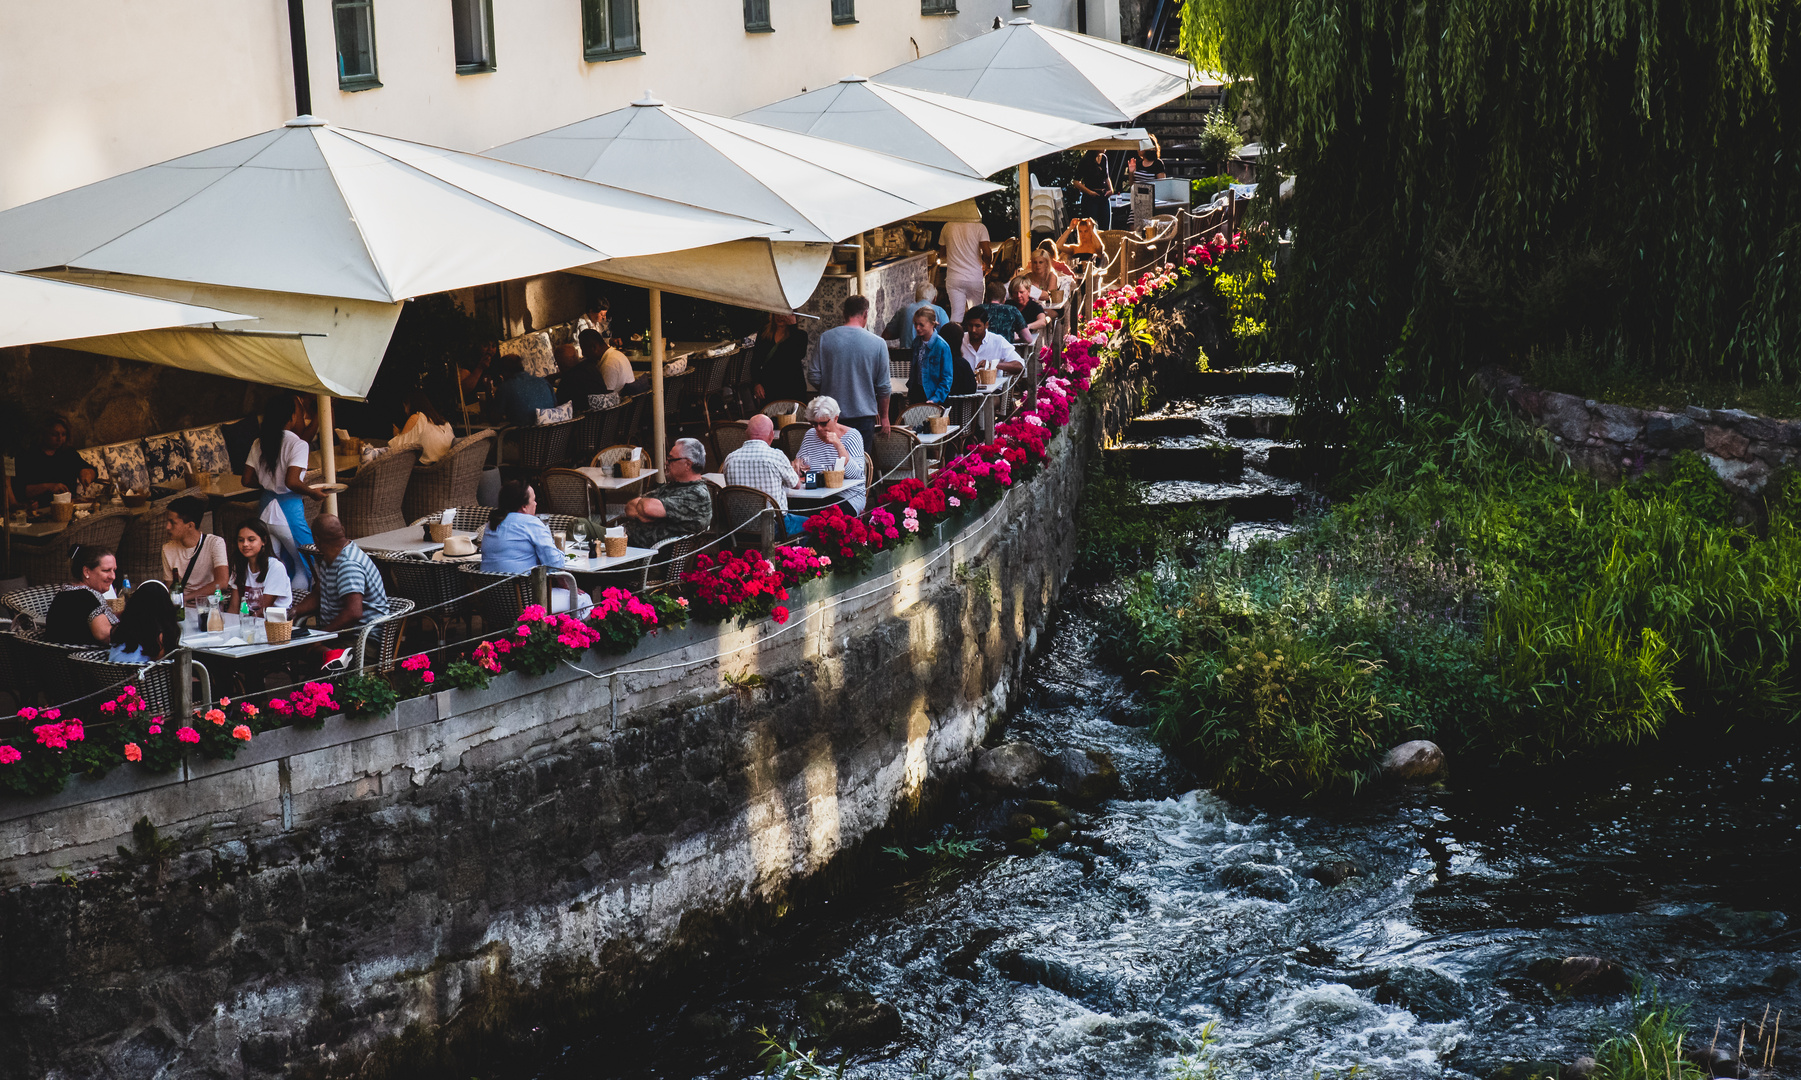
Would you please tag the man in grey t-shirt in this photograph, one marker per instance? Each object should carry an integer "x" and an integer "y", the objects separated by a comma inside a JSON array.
[{"x": 851, "y": 365}]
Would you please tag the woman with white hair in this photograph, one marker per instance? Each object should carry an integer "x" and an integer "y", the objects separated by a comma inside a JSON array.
[{"x": 829, "y": 444}]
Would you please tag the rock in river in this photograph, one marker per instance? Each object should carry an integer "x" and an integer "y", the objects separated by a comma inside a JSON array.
[
  {"x": 851, "y": 1018},
  {"x": 1086, "y": 775},
  {"x": 1419, "y": 761},
  {"x": 1581, "y": 976},
  {"x": 1009, "y": 766}
]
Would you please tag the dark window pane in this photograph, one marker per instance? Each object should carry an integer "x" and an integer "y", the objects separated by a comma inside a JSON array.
[
  {"x": 625, "y": 24},
  {"x": 470, "y": 21},
  {"x": 844, "y": 11},
  {"x": 355, "y": 22},
  {"x": 756, "y": 14}
]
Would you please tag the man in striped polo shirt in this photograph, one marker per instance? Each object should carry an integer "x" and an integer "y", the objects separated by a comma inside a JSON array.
[{"x": 347, "y": 591}]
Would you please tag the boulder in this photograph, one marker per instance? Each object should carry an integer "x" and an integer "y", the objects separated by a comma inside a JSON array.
[
  {"x": 1009, "y": 766},
  {"x": 1418, "y": 761},
  {"x": 1334, "y": 873},
  {"x": 1085, "y": 775},
  {"x": 1664, "y": 431},
  {"x": 1581, "y": 976},
  {"x": 1582, "y": 1068},
  {"x": 851, "y": 1018}
]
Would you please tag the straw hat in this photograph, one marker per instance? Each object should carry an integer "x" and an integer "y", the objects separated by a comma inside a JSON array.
[{"x": 456, "y": 547}]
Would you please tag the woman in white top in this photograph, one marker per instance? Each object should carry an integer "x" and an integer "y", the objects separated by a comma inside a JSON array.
[
  {"x": 256, "y": 577},
  {"x": 828, "y": 445},
  {"x": 426, "y": 429},
  {"x": 277, "y": 465}
]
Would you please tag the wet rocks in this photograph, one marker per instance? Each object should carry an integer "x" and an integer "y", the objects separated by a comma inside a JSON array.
[
  {"x": 1417, "y": 762},
  {"x": 851, "y": 1018},
  {"x": 1432, "y": 996},
  {"x": 1010, "y": 766},
  {"x": 1526, "y": 1070},
  {"x": 1335, "y": 873},
  {"x": 1068, "y": 980},
  {"x": 1581, "y": 976},
  {"x": 1259, "y": 880},
  {"x": 1085, "y": 775}
]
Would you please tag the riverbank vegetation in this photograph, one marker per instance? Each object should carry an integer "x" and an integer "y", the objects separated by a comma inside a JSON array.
[{"x": 1474, "y": 592}]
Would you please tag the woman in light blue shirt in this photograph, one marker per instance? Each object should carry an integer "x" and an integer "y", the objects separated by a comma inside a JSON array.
[{"x": 516, "y": 542}]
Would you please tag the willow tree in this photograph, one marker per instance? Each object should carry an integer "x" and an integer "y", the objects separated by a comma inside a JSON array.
[{"x": 1478, "y": 178}]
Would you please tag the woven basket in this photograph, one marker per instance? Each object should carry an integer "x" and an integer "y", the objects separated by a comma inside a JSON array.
[
  {"x": 833, "y": 478},
  {"x": 937, "y": 425},
  {"x": 62, "y": 511},
  {"x": 439, "y": 531},
  {"x": 988, "y": 376},
  {"x": 629, "y": 470},
  {"x": 117, "y": 603},
  {"x": 280, "y": 633},
  {"x": 616, "y": 546}
]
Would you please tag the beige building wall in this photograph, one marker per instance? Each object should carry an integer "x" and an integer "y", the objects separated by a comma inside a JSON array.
[{"x": 93, "y": 88}]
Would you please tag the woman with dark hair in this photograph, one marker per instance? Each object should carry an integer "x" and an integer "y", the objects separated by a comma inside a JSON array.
[
  {"x": 277, "y": 465},
  {"x": 516, "y": 542},
  {"x": 425, "y": 428},
  {"x": 777, "y": 367},
  {"x": 257, "y": 579},
  {"x": 80, "y": 615},
  {"x": 149, "y": 628}
]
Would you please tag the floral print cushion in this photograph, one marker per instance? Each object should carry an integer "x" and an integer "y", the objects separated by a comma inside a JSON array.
[
  {"x": 93, "y": 456},
  {"x": 125, "y": 465},
  {"x": 166, "y": 458},
  {"x": 206, "y": 450}
]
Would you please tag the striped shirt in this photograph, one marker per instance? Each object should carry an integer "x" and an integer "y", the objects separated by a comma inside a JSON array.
[
  {"x": 819, "y": 456},
  {"x": 759, "y": 465},
  {"x": 351, "y": 572}
]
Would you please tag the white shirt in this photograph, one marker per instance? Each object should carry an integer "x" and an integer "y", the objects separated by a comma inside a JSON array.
[
  {"x": 962, "y": 241},
  {"x": 294, "y": 451},
  {"x": 433, "y": 440},
  {"x": 616, "y": 370},
  {"x": 992, "y": 351},
  {"x": 272, "y": 585}
]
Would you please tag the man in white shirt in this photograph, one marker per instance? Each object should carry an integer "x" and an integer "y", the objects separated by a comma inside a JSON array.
[
  {"x": 195, "y": 564},
  {"x": 760, "y": 465},
  {"x": 983, "y": 349},
  {"x": 966, "y": 257}
]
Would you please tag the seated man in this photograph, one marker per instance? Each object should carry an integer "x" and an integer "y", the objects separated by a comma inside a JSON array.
[
  {"x": 347, "y": 591},
  {"x": 985, "y": 350},
  {"x": 1004, "y": 320},
  {"x": 195, "y": 564},
  {"x": 613, "y": 366},
  {"x": 684, "y": 505},
  {"x": 522, "y": 394},
  {"x": 760, "y": 465}
]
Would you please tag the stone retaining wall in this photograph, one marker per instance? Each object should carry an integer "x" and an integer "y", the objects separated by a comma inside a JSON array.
[
  {"x": 345, "y": 900},
  {"x": 1615, "y": 442}
]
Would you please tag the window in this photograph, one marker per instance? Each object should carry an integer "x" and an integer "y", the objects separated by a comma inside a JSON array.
[
  {"x": 843, "y": 12},
  {"x": 472, "y": 24},
  {"x": 937, "y": 7},
  {"x": 756, "y": 17},
  {"x": 610, "y": 29},
  {"x": 355, "y": 24}
]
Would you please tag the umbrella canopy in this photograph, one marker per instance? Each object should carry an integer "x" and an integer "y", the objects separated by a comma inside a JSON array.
[
  {"x": 324, "y": 211},
  {"x": 1029, "y": 66},
  {"x": 821, "y": 191},
  {"x": 34, "y": 310},
  {"x": 976, "y": 138}
]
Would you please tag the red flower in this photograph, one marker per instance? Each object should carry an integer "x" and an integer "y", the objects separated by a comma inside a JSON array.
[
  {"x": 133, "y": 752},
  {"x": 779, "y": 614}
]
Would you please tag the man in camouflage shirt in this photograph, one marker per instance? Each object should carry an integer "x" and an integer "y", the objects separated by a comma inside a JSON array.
[{"x": 683, "y": 505}]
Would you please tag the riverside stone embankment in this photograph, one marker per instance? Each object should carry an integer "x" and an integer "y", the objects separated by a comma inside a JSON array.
[{"x": 363, "y": 897}]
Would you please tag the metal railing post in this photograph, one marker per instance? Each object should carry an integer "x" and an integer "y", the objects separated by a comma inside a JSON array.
[{"x": 541, "y": 586}]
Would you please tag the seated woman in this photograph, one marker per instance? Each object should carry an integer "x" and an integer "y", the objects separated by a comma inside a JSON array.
[
  {"x": 831, "y": 445},
  {"x": 255, "y": 578},
  {"x": 149, "y": 628},
  {"x": 425, "y": 428},
  {"x": 522, "y": 394},
  {"x": 1049, "y": 275},
  {"x": 516, "y": 542},
  {"x": 80, "y": 615}
]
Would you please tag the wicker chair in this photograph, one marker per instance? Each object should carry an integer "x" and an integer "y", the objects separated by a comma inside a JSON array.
[
  {"x": 436, "y": 588},
  {"x": 709, "y": 382},
  {"x": 893, "y": 449},
  {"x": 372, "y": 502},
  {"x": 499, "y": 598},
  {"x": 538, "y": 448},
  {"x": 230, "y": 516},
  {"x": 383, "y": 634},
  {"x": 31, "y": 607},
  {"x": 737, "y": 382},
  {"x": 746, "y": 513},
  {"x": 918, "y": 414},
  {"x": 784, "y": 407},
  {"x": 449, "y": 481},
  {"x": 97, "y": 675},
  {"x": 141, "y": 545},
  {"x": 48, "y": 563},
  {"x": 672, "y": 559},
  {"x": 44, "y": 666},
  {"x": 565, "y": 491},
  {"x": 728, "y": 436},
  {"x": 613, "y": 455},
  {"x": 675, "y": 391},
  {"x": 788, "y": 439},
  {"x": 470, "y": 518},
  {"x": 615, "y": 424}
]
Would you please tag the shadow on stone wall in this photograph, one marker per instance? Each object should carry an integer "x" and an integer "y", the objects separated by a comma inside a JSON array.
[{"x": 107, "y": 400}]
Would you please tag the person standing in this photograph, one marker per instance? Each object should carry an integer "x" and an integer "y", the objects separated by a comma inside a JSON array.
[
  {"x": 900, "y": 328},
  {"x": 277, "y": 467},
  {"x": 851, "y": 366},
  {"x": 1094, "y": 185},
  {"x": 966, "y": 257},
  {"x": 932, "y": 360}
]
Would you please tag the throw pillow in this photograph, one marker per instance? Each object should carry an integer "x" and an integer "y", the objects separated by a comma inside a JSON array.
[
  {"x": 207, "y": 451},
  {"x": 565, "y": 411}
]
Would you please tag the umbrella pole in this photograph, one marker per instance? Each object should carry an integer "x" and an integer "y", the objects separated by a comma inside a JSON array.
[
  {"x": 860, "y": 265},
  {"x": 328, "y": 451},
  {"x": 1025, "y": 215},
  {"x": 656, "y": 380}
]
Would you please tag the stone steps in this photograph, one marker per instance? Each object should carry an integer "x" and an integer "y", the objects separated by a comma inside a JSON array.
[
  {"x": 1206, "y": 461},
  {"x": 1276, "y": 381}
]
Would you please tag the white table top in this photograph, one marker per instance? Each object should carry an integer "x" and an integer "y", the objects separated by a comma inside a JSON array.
[
  {"x": 408, "y": 541},
  {"x": 606, "y": 482},
  {"x": 214, "y": 643},
  {"x": 590, "y": 566},
  {"x": 949, "y": 430},
  {"x": 818, "y": 494}
]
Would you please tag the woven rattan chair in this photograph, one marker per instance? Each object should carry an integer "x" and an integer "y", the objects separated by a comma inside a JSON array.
[
  {"x": 372, "y": 503},
  {"x": 376, "y": 643},
  {"x": 101, "y": 677},
  {"x": 436, "y": 588},
  {"x": 141, "y": 546},
  {"x": 497, "y": 598},
  {"x": 31, "y": 607},
  {"x": 673, "y": 558},
  {"x": 538, "y": 448},
  {"x": 918, "y": 414},
  {"x": 470, "y": 518},
  {"x": 451, "y": 480},
  {"x": 614, "y": 424},
  {"x": 610, "y": 456},
  {"x": 788, "y": 439},
  {"x": 893, "y": 449},
  {"x": 565, "y": 491},
  {"x": 709, "y": 384},
  {"x": 783, "y": 407},
  {"x": 727, "y": 436},
  {"x": 737, "y": 382},
  {"x": 48, "y": 563},
  {"x": 45, "y": 666},
  {"x": 748, "y": 515},
  {"x": 675, "y": 392}
]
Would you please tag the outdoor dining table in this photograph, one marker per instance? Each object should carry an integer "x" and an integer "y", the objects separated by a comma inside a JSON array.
[
  {"x": 818, "y": 494},
  {"x": 218, "y": 643},
  {"x": 921, "y": 452},
  {"x": 607, "y": 484},
  {"x": 582, "y": 564},
  {"x": 408, "y": 541}
]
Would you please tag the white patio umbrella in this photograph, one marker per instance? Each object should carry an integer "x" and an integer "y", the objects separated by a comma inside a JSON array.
[
  {"x": 821, "y": 191},
  {"x": 35, "y": 310},
  {"x": 1041, "y": 68},
  {"x": 978, "y": 138}
]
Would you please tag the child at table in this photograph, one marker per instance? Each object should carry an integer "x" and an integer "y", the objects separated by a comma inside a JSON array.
[
  {"x": 255, "y": 577},
  {"x": 148, "y": 628}
]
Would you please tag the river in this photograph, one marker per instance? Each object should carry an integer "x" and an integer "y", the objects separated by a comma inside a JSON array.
[{"x": 1680, "y": 861}]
